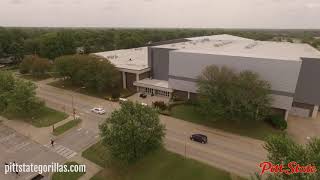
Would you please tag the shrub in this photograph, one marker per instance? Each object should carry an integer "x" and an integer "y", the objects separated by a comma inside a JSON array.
[
  {"x": 35, "y": 65},
  {"x": 277, "y": 121},
  {"x": 26, "y": 65},
  {"x": 160, "y": 104},
  {"x": 115, "y": 94}
]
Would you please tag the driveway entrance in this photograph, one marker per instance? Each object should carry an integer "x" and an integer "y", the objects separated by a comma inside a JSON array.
[{"x": 302, "y": 129}]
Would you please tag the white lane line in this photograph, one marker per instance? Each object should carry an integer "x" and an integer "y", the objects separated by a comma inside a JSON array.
[{"x": 71, "y": 155}]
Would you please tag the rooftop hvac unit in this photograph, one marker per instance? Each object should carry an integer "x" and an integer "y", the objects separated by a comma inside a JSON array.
[
  {"x": 250, "y": 46},
  {"x": 205, "y": 40}
]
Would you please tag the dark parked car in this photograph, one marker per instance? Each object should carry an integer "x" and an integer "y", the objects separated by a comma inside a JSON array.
[
  {"x": 143, "y": 95},
  {"x": 199, "y": 138}
]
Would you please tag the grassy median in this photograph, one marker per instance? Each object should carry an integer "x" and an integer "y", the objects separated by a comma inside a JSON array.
[
  {"x": 254, "y": 129},
  {"x": 65, "y": 127},
  {"x": 67, "y": 175},
  {"x": 159, "y": 165},
  {"x": 45, "y": 117}
]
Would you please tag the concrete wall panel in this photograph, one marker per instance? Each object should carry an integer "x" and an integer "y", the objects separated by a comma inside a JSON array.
[
  {"x": 185, "y": 67},
  {"x": 160, "y": 63},
  {"x": 308, "y": 87},
  {"x": 281, "y": 74}
]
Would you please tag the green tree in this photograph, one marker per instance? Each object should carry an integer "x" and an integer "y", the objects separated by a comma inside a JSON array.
[
  {"x": 224, "y": 93},
  {"x": 26, "y": 65},
  {"x": 132, "y": 132},
  {"x": 22, "y": 99},
  {"x": 7, "y": 82},
  {"x": 40, "y": 66},
  {"x": 88, "y": 71},
  {"x": 18, "y": 96},
  {"x": 283, "y": 150},
  {"x": 16, "y": 51},
  {"x": 35, "y": 65}
]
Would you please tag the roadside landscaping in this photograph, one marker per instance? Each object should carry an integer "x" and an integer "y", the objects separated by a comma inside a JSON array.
[
  {"x": 45, "y": 117},
  {"x": 254, "y": 129},
  {"x": 67, "y": 85},
  {"x": 18, "y": 101},
  {"x": 65, "y": 127},
  {"x": 35, "y": 78},
  {"x": 67, "y": 175},
  {"x": 157, "y": 165}
]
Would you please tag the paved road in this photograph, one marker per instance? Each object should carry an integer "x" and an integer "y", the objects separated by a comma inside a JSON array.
[
  {"x": 233, "y": 153},
  {"x": 18, "y": 148}
]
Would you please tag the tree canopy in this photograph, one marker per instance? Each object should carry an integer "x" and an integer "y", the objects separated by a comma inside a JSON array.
[
  {"x": 227, "y": 94},
  {"x": 88, "y": 71},
  {"x": 17, "y": 96},
  {"x": 35, "y": 65},
  {"x": 54, "y": 42},
  {"x": 283, "y": 150},
  {"x": 133, "y": 131}
]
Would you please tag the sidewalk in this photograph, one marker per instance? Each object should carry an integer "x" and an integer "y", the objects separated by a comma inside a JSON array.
[{"x": 40, "y": 135}]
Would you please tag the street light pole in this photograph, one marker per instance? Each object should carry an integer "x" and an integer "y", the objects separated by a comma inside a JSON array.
[
  {"x": 73, "y": 109},
  {"x": 185, "y": 145}
]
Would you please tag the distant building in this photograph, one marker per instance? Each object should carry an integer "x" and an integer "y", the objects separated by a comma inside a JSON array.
[
  {"x": 6, "y": 60},
  {"x": 80, "y": 50},
  {"x": 292, "y": 69}
]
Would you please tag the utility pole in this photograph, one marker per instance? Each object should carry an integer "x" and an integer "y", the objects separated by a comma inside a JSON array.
[
  {"x": 185, "y": 145},
  {"x": 73, "y": 109}
]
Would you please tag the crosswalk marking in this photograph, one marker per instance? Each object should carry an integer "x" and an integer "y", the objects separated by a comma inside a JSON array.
[
  {"x": 7, "y": 138},
  {"x": 61, "y": 150},
  {"x": 19, "y": 146}
]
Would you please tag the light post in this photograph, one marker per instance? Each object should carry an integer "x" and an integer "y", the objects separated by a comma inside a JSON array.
[
  {"x": 185, "y": 145},
  {"x": 73, "y": 109}
]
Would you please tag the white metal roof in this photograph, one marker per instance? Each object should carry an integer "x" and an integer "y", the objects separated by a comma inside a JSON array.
[
  {"x": 218, "y": 37},
  {"x": 133, "y": 59},
  {"x": 237, "y": 46},
  {"x": 224, "y": 44}
]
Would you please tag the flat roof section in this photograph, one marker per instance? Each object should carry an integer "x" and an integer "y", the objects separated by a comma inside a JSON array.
[
  {"x": 237, "y": 46},
  {"x": 133, "y": 59},
  {"x": 154, "y": 84},
  {"x": 219, "y": 37}
]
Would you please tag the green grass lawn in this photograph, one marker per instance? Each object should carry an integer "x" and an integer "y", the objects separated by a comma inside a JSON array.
[
  {"x": 255, "y": 129},
  {"x": 67, "y": 85},
  {"x": 65, "y": 127},
  {"x": 45, "y": 118},
  {"x": 67, "y": 175},
  {"x": 159, "y": 165}
]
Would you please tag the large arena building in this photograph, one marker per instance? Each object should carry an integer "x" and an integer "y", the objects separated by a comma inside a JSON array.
[{"x": 171, "y": 68}]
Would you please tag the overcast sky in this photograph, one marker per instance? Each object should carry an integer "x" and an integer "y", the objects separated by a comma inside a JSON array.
[{"x": 162, "y": 13}]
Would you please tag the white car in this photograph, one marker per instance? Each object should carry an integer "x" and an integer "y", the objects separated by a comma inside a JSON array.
[
  {"x": 122, "y": 100},
  {"x": 98, "y": 110}
]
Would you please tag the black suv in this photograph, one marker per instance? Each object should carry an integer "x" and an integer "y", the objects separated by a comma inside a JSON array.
[
  {"x": 199, "y": 138},
  {"x": 143, "y": 95}
]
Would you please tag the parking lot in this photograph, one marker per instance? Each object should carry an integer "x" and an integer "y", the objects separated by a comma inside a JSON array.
[
  {"x": 148, "y": 100},
  {"x": 15, "y": 147}
]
